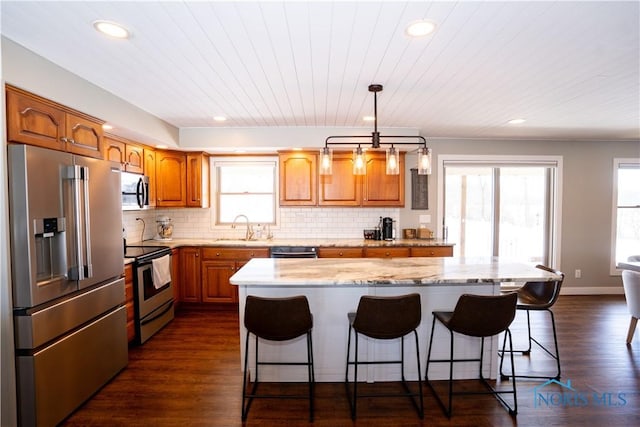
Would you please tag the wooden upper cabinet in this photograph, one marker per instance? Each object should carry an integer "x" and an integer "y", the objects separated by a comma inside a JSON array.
[
  {"x": 197, "y": 180},
  {"x": 134, "y": 158},
  {"x": 298, "y": 172},
  {"x": 37, "y": 121},
  {"x": 114, "y": 149},
  {"x": 150, "y": 171},
  {"x": 380, "y": 189},
  {"x": 83, "y": 136},
  {"x": 126, "y": 152},
  {"x": 30, "y": 121},
  {"x": 342, "y": 187},
  {"x": 376, "y": 188},
  {"x": 171, "y": 179}
]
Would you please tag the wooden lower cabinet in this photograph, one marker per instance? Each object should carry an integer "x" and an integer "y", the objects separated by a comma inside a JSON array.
[
  {"x": 190, "y": 281},
  {"x": 338, "y": 252},
  {"x": 386, "y": 252},
  {"x": 205, "y": 272},
  {"x": 432, "y": 251},
  {"x": 215, "y": 281},
  {"x": 175, "y": 276},
  {"x": 128, "y": 290},
  {"x": 218, "y": 265}
]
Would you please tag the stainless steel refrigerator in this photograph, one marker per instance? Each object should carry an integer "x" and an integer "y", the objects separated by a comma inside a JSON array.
[{"x": 68, "y": 291}]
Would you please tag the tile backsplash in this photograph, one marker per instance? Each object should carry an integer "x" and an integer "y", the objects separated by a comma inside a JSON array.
[{"x": 293, "y": 223}]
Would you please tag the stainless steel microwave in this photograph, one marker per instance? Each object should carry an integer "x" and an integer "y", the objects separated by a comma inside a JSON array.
[{"x": 135, "y": 191}]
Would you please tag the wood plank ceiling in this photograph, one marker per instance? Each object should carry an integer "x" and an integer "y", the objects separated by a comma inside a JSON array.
[{"x": 572, "y": 69}]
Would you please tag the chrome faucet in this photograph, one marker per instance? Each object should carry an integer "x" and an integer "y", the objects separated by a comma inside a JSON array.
[{"x": 249, "y": 233}]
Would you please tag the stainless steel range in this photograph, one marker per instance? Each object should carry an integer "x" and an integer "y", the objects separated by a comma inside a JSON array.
[{"x": 152, "y": 289}]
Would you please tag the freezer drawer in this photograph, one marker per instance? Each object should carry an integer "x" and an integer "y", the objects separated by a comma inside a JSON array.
[
  {"x": 36, "y": 327},
  {"x": 55, "y": 381}
]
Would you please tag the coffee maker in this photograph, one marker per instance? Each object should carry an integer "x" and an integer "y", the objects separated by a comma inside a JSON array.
[{"x": 387, "y": 228}]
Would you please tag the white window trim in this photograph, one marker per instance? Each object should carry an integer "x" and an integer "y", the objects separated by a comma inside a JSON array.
[
  {"x": 614, "y": 211},
  {"x": 498, "y": 160},
  {"x": 215, "y": 161}
]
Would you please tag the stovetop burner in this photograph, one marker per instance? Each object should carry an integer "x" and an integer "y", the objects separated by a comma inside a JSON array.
[{"x": 138, "y": 252}]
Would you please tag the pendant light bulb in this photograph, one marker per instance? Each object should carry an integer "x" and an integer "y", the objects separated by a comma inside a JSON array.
[
  {"x": 424, "y": 161},
  {"x": 326, "y": 161},
  {"x": 392, "y": 161},
  {"x": 358, "y": 162}
]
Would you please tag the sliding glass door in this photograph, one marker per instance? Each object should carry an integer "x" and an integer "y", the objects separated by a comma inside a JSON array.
[{"x": 500, "y": 209}]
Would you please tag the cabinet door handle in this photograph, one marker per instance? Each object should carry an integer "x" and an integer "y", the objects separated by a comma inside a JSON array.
[
  {"x": 63, "y": 139},
  {"x": 217, "y": 253},
  {"x": 340, "y": 254}
]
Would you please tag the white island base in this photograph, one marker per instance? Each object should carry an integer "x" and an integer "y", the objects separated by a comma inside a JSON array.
[{"x": 334, "y": 287}]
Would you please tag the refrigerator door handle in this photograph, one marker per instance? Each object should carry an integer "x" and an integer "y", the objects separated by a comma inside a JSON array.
[
  {"x": 76, "y": 272},
  {"x": 88, "y": 267}
]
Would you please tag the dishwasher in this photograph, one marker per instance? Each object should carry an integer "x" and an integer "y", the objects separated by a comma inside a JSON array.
[{"x": 294, "y": 252}]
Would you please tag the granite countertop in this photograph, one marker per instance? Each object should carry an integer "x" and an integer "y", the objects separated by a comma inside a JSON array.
[
  {"x": 325, "y": 242},
  {"x": 379, "y": 272}
]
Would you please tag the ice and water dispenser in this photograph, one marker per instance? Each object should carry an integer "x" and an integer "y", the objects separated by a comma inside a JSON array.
[{"x": 51, "y": 249}]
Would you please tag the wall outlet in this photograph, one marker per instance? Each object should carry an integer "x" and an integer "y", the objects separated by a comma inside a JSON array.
[{"x": 578, "y": 274}]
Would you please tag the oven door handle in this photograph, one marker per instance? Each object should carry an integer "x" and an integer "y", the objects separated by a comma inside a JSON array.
[
  {"x": 162, "y": 313},
  {"x": 294, "y": 255}
]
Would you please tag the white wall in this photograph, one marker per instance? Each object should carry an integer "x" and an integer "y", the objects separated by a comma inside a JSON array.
[
  {"x": 26, "y": 70},
  {"x": 8, "y": 416}
]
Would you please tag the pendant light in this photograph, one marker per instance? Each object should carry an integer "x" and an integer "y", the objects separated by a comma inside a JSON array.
[
  {"x": 392, "y": 154},
  {"x": 359, "y": 164},
  {"x": 424, "y": 161},
  {"x": 326, "y": 160},
  {"x": 393, "y": 163}
]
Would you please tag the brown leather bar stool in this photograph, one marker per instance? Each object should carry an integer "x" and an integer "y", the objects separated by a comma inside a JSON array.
[
  {"x": 540, "y": 296},
  {"x": 480, "y": 316},
  {"x": 277, "y": 319},
  {"x": 384, "y": 318}
]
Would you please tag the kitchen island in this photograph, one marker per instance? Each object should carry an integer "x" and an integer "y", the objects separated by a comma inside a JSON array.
[{"x": 334, "y": 287}]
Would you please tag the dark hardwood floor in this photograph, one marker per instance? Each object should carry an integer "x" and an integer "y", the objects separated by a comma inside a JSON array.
[{"x": 189, "y": 375}]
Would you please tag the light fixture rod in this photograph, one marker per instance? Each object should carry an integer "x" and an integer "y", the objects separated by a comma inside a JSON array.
[
  {"x": 375, "y": 135},
  {"x": 423, "y": 141}
]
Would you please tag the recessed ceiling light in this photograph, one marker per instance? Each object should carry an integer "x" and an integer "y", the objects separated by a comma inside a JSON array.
[
  {"x": 516, "y": 121},
  {"x": 162, "y": 146},
  {"x": 111, "y": 29},
  {"x": 420, "y": 28},
  {"x": 220, "y": 118},
  {"x": 107, "y": 126},
  {"x": 368, "y": 118}
]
